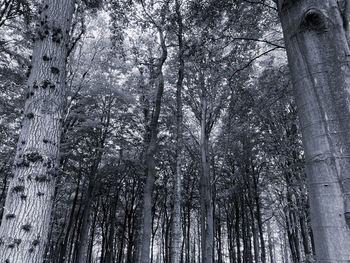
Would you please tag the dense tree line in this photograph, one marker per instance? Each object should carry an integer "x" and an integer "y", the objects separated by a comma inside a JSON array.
[{"x": 174, "y": 131}]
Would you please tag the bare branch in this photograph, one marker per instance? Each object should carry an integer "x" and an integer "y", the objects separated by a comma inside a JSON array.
[{"x": 251, "y": 61}]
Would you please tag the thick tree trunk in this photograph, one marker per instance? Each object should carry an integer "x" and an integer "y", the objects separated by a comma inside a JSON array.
[
  {"x": 24, "y": 228},
  {"x": 176, "y": 218},
  {"x": 315, "y": 33}
]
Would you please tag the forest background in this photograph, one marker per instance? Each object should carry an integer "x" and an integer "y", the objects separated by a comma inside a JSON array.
[{"x": 177, "y": 115}]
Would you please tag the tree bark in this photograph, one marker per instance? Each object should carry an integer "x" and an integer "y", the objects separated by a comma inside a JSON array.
[
  {"x": 63, "y": 246},
  {"x": 176, "y": 218},
  {"x": 150, "y": 157},
  {"x": 206, "y": 206},
  {"x": 259, "y": 218},
  {"x": 110, "y": 242},
  {"x": 315, "y": 33},
  {"x": 270, "y": 242},
  {"x": 83, "y": 237},
  {"x": 24, "y": 229},
  {"x": 237, "y": 230}
]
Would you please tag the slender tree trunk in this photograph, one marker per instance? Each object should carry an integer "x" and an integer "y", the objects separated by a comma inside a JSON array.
[
  {"x": 30, "y": 192},
  {"x": 3, "y": 193},
  {"x": 255, "y": 240},
  {"x": 63, "y": 246},
  {"x": 316, "y": 37},
  {"x": 136, "y": 257},
  {"x": 285, "y": 246},
  {"x": 230, "y": 234},
  {"x": 270, "y": 242},
  {"x": 237, "y": 230},
  {"x": 206, "y": 206},
  {"x": 83, "y": 242},
  {"x": 252, "y": 215},
  {"x": 199, "y": 241},
  {"x": 110, "y": 253},
  {"x": 305, "y": 237},
  {"x": 290, "y": 239},
  {"x": 188, "y": 234},
  {"x": 92, "y": 237},
  {"x": 219, "y": 240},
  {"x": 259, "y": 218},
  {"x": 131, "y": 230},
  {"x": 176, "y": 218},
  {"x": 244, "y": 231},
  {"x": 109, "y": 258},
  {"x": 75, "y": 232}
]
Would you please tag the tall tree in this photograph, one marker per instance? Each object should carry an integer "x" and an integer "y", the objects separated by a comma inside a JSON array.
[
  {"x": 24, "y": 229},
  {"x": 176, "y": 228},
  {"x": 316, "y": 34},
  {"x": 157, "y": 81}
]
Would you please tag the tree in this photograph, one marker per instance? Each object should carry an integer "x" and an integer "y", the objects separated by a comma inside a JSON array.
[
  {"x": 316, "y": 34},
  {"x": 25, "y": 223},
  {"x": 176, "y": 217}
]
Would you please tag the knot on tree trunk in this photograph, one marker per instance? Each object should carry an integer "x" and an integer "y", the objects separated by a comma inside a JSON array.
[{"x": 313, "y": 20}]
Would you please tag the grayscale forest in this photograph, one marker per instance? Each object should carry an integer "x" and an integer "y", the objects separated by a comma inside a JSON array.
[{"x": 174, "y": 131}]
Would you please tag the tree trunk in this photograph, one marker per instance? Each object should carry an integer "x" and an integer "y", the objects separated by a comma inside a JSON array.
[
  {"x": 270, "y": 243},
  {"x": 75, "y": 232},
  {"x": 316, "y": 35},
  {"x": 252, "y": 215},
  {"x": 24, "y": 229},
  {"x": 92, "y": 238},
  {"x": 150, "y": 158},
  {"x": 237, "y": 230},
  {"x": 188, "y": 234},
  {"x": 230, "y": 232},
  {"x": 176, "y": 218},
  {"x": 131, "y": 214},
  {"x": 218, "y": 235},
  {"x": 285, "y": 249},
  {"x": 63, "y": 246},
  {"x": 206, "y": 206},
  {"x": 3, "y": 192},
  {"x": 83, "y": 237},
  {"x": 259, "y": 218},
  {"x": 110, "y": 242}
]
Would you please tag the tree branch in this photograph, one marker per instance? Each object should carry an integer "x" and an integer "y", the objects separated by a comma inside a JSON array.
[{"x": 251, "y": 61}]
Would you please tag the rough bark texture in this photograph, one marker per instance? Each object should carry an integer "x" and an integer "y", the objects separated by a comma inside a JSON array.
[
  {"x": 24, "y": 230},
  {"x": 318, "y": 52}
]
